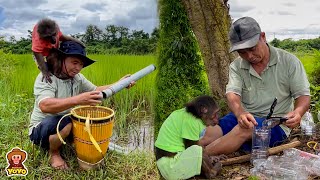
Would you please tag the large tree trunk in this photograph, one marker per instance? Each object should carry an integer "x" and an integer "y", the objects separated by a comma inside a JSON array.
[
  {"x": 180, "y": 70},
  {"x": 210, "y": 22}
]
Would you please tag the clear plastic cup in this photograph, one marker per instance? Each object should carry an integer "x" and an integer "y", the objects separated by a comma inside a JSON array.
[{"x": 260, "y": 143}]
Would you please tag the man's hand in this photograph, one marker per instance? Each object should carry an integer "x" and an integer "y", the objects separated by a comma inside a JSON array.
[
  {"x": 301, "y": 105},
  {"x": 246, "y": 120},
  {"x": 294, "y": 119},
  {"x": 89, "y": 98},
  {"x": 46, "y": 76},
  {"x": 132, "y": 83}
]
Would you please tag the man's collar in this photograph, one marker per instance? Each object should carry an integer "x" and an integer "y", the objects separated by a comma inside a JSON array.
[
  {"x": 273, "y": 56},
  {"x": 244, "y": 64},
  {"x": 75, "y": 79}
]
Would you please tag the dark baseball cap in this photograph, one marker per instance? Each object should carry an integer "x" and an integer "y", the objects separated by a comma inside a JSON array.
[
  {"x": 244, "y": 33},
  {"x": 71, "y": 48}
]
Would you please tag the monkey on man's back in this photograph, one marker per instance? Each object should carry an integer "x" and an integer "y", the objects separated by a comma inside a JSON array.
[{"x": 46, "y": 36}]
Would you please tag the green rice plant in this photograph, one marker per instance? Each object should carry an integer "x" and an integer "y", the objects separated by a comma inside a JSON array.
[
  {"x": 308, "y": 60},
  {"x": 23, "y": 74},
  {"x": 109, "y": 69}
]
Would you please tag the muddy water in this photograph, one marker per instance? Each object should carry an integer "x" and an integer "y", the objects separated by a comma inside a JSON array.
[{"x": 140, "y": 136}]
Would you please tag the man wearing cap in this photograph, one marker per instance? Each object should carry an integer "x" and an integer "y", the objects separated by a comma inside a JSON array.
[
  {"x": 260, "y": 73},
  {"x": 53, "y": 100}
]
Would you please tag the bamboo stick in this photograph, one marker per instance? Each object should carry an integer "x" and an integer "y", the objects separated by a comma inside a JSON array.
[{"x": 271, "y": 151}]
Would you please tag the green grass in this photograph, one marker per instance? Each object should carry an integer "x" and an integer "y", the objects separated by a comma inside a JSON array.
[
  {"x": 308, "y": 60},
  {"x": 17, "y": 77},
  {"x": 136, "y": 165}
]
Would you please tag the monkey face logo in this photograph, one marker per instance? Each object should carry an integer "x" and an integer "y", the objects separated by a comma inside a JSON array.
[{"x": 15, "y": 158}]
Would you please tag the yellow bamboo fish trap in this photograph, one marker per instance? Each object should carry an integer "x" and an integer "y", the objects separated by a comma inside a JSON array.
[{"x": 92, "y": 130}]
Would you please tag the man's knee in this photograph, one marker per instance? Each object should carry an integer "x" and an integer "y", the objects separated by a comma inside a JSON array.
[
  {"x": 66, "y": 130},
  {"x": 242, "y": 133},
  {"x": 64, "y": 133}
]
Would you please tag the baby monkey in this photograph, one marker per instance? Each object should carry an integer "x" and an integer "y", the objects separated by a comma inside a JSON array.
[{"x": 46, "y": 37}]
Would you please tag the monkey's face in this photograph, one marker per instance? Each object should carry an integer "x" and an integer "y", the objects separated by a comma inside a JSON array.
[{"x": 51, "y": 38}]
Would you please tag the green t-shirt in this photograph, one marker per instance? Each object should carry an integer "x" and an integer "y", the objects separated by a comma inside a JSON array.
[{"x": 178, "y": 126}]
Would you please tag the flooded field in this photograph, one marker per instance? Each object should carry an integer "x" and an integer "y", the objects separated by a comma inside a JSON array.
[{"x": 140, "y": 137}]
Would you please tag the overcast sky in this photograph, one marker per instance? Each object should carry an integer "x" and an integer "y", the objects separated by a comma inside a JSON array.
[
  {"x": 18, "y": 16},
  {"x": 296, "y": 19},
  {"x": 278, "y": 18}
]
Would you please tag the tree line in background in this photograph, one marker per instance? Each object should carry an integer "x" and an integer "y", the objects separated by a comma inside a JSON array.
[
  {"x": 121, "y": 40},
  {"x": 111, "y": 40},
  {"x": 303, "y": 45}
]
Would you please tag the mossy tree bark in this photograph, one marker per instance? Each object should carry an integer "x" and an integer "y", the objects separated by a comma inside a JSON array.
[
  {"x": 181, "y": 74},
  {"x": 210, "y": 22}
]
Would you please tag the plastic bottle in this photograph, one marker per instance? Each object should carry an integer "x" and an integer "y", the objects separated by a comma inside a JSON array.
[
  {"x": 307, "y": 126},
  {"x": 276, "y": 167},
  {"x": 296, "y": 153},
  {"x": 310, "y": 161},
  {"x": 260, "y": 143}
]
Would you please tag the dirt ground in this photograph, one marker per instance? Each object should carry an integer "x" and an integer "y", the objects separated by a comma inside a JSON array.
[{"x": 242, "y": 171}]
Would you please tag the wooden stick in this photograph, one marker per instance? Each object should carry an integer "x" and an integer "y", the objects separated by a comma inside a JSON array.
[
  {"x": 271, "y": 151},
  {"x": 277, "y": 149}
]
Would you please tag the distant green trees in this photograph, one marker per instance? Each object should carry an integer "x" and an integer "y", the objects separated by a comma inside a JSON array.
[
  {"x": 118, "y": 40},
  {"x": 121, "y": 40},
  {"x": 304, "y": 45},
  {"x": 110, "y": 40},
  {"x": 14, "y": 46}
]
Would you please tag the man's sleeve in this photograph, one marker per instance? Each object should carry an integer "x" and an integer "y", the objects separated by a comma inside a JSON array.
[
  {"x": 43, "y": 90},
  {"x": 86, "y": 85},
  {"x": 235, "y": 82},
  {"x": 299, "y": 84}
]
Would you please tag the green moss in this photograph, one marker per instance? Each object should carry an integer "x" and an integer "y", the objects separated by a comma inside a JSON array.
[{"x": 180, "y": 68}]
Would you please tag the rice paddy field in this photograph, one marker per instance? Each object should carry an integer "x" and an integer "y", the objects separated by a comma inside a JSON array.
[
  {"x": 308, "y": 60},
  {"x": 17, "y": 75}
]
